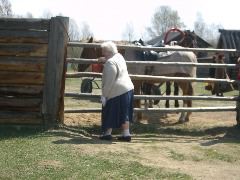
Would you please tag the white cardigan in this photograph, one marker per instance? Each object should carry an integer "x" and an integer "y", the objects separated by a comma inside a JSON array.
[{"x": 115, "y": 79}]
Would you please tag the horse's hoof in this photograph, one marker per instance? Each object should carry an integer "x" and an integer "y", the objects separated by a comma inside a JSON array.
[
  {"x": 135, "y": 118},
  {"x": 176, "y": 105},
  {"x": 181, "y": 121}
]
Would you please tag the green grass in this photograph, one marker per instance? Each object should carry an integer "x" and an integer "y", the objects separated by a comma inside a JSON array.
[
  {"x": 213, "y": 154},
  {"x": 177, "y": 156},
  {"x": 29, "y": 154}
]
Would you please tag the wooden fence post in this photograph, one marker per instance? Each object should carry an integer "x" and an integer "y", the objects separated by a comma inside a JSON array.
[
  {"x": 238, "y": 107},
  {"x": 53, "y": 94}
]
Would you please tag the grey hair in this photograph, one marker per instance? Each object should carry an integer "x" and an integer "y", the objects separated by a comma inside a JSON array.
[{"x": 110, "y": 46}]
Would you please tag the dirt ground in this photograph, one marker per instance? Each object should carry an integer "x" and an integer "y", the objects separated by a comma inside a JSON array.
[{"x": 207, "y": 147}]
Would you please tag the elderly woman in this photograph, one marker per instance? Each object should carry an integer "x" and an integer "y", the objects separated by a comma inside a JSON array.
[{"x": 117, "y": 93}]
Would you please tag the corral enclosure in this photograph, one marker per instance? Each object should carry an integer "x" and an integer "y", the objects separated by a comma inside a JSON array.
[{"x": 32, "y": 55}]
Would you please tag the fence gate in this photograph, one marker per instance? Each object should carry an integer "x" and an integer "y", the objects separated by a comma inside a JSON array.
[
  {"x": 32, "y": 57},
  {"x": 142, "y": 77}
]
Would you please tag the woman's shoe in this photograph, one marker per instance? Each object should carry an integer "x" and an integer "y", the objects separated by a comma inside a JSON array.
[
  {"x": 106, "y": 137},
  {"x": 125, "y": 138}
]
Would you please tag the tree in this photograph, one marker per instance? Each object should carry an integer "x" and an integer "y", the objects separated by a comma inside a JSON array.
[
  {"x": 199, "y": 25},
  {"x": 47, "y": 14},
  {"x": 73, "y": 31},
  {"x": 209, "y": 32},
  {"x": 5, "y": 8},
  {"x": 164, "y": 19},
  {"x": 29, "y": 15},
  {"x": 85, "y": 31},
  {"x": 129, "y": 33}
]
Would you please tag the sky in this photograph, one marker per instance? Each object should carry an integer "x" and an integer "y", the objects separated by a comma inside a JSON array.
[{"x": 108, "y": 18}]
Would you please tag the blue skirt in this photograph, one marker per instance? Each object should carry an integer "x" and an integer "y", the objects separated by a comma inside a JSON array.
[{"x": 117, "y": 111}]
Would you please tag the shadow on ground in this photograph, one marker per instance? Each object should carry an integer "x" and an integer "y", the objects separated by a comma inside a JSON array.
[{"x": 142, "y": 132}]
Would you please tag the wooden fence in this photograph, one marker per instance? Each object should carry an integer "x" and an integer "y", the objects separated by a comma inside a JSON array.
[
  {"x": 32, "y": 57},
  {"x": 159, "y": 78}
]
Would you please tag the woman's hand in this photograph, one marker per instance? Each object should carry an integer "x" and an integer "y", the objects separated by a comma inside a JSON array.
[
  {"x": 102, "y": 59},
  {"x": 103, "y": 101}
]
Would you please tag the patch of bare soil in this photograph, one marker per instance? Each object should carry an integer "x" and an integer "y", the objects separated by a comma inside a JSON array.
[
  {"x": 50, "y": 163},
  {"x": 214, "y": 155}
]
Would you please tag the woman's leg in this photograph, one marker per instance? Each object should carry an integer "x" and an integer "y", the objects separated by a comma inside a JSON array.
[{"x": 125, "y": 129}]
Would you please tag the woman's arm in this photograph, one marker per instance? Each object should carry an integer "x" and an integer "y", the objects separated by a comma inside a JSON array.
[
  {"x": 109, "y": 78},
  {"x": 102, "y": 59}
]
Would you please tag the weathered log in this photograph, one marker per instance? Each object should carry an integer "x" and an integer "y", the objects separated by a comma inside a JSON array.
[
  {"x": 39, "y": 50},
  {"x": 157, "y": 97},
  {"x": 15, "y": 36},
  {"x": 144, "y": 63},
  {"x": 163, "y": 110},
  {"x": 24, "y": 24},
  {"x": 21, "y": 90},
  {"x": 170, "y": 48},
  {"x": 53, "y": 94},
  {"x": 20, "y": 102},
  {"x": 153, "y": 78},
  {"x": 26, "y": 78},
  {"x": 22, "y": 65},
  {"x": 21, "y": 109},
  {"x": 11, "y": 117}
]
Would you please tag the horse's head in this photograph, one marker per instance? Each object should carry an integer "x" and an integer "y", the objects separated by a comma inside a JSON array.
[
  {"x": 218, "y": 73},
  {"x": 184, "y": 38},
  {"x": 189, "y": 40},
  {"x": 89, "y": 53}
]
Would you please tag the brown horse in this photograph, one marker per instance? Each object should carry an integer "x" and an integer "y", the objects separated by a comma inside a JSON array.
[
  {"x": 158, "y": 70},
  {"x": 89, "y": 53},
  {"x": 219, "y": 88}
]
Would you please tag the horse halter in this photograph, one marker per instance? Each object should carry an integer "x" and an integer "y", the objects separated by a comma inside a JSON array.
[
  {"x": 174, "y": 30},
  {"x": 187, "y": 38}
]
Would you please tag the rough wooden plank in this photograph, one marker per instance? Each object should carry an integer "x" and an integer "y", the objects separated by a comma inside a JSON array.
[
  {"x": 14, "y": 36},
  {"x": 23, "y": 59},
  {"x": 22, "y": 65},
  {"x": 143, "y": 48},
  {"x": 142, "y": 63},
  {"x": 160, "y": 110},
  {"x": 53, "y": 94},
  {"x": 153, "y": 78},
  {"x": 24, "y": 24},
  {"x": 238, "y": 108},
  {"x": 39, "y": 50},
  {"x": 11, "y": 117},
  {"x": 25, "y": 78},
  {"x": 20, "y": 102},
  {"x": 21, "y": 109},
  {"x": 87, "y": 110},
  {"x": 21, "y": 90},
  {"x": 157, "y": 97}
]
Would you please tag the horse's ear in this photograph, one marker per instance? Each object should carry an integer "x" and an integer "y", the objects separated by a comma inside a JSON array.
[
  {"x": 141, "y": 41},
  {"x": 221, "y": 56},
  {"x": 90, "y": 40}
]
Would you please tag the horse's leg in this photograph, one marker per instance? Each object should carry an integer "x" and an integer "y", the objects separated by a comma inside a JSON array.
[
  {"x": 176, "y": 93},
  {"x": 150, "y": 93},
  {"x": 190, "y": 92},
  {"x": 187, "y": 89},
  {"x": 168, "y": 92},
  {"x": 137, "y": 103}
]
